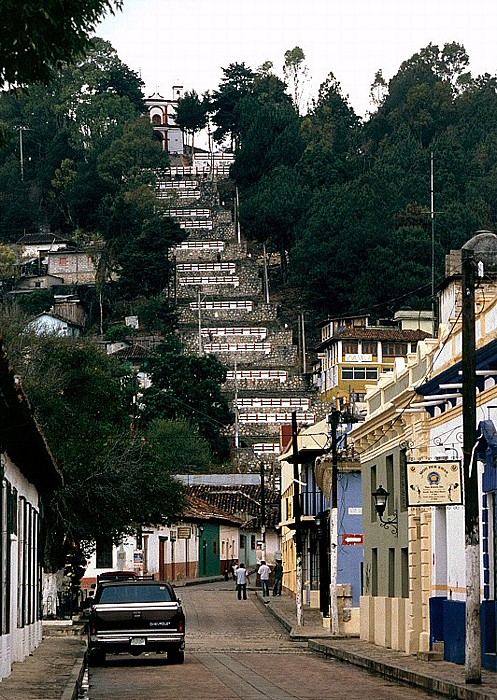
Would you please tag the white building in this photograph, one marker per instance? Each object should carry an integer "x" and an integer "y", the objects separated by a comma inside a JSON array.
[{"x": 28, "y": 473}]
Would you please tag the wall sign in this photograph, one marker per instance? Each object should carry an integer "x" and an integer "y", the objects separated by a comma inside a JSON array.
[
  {"x": 184, "y": 532},
  {"x": 353, "y": 539},
  {"x": 434, "y": 483}
]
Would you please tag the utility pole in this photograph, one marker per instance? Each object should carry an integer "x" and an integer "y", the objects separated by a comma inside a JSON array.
[
  {"x": 266, "y": 279},
  {"x": 237, "y": 218},
  {"x": 21, "y": 148},
  {"x": 263, "y": 512},
  {"x": 200, "y": 350},
  {"x": 472, "y": 534},
  {"x": 432, "y": 216},
  {"x": 334, "y": 418},
  {"x": 304, "y": 361},
  {"x": 297, "y": 515}
]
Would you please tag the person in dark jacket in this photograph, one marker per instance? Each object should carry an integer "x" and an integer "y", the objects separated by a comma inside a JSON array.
[{"x": 278, "y": 578}]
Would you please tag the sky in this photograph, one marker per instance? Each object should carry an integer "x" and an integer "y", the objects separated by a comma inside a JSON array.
[{"x": 188, "y": 42}]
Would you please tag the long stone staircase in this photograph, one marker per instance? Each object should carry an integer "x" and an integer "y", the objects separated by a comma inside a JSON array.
[{"x": 218, "y": 286}]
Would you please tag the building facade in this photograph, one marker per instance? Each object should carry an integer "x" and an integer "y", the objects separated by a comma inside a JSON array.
[
  {"x": 352, "y": 354},
  {"x": 162, "y": 114},
  {"x": 28, "y": 473},
  {"x": 411, "y": 444}
]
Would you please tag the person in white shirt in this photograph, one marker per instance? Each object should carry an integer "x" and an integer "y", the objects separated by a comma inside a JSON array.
[
  {"x": 242, "y": 578},
  {"x": 264, "y": 572}
]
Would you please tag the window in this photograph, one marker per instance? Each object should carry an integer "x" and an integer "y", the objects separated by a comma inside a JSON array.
[
  {"x": 358, "y": 373},
  {"x": 390, "y": 485},
  {"x": 404, "y": 565},
  {"x": 373, "y": 487},
  {"x": 391, "y": 572},
  {"x": 156, "y": 119},
  {"x": 62, "y": 261},
  {"x": 350, "y": 347},
  {"x": 252, "y": 542},
  {"x": 136, "y": 594},
  {"x": 369, "y": 347},
  {"x": 242, "y": 541},
  {"x": 374, "y": 571},
  {"x": 104, "y": 554},
  {"x": 394, "y": 349}
]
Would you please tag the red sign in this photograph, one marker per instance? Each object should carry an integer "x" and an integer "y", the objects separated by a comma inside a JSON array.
[{"x": 353, "y": 539}]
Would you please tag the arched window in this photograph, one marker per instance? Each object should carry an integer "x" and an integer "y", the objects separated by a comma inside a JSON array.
[{"x": 156, "y": 119}]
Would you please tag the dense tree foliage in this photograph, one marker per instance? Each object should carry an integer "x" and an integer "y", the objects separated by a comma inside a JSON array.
[
  {"x": 348, "y": 200},
  {"x": 73, "y": 143},
  {"x": 191, "y": 114},
  {"x": 236, "y": 83},
  {"x": 187, "y": 387},
  {"x": 113, "y": 478},
  {"x": 36, "y": 39}
]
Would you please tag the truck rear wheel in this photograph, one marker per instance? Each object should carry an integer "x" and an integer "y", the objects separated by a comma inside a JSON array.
[
  {"x": 97, "y": 657},
  {"x": 175, "y": 656}
]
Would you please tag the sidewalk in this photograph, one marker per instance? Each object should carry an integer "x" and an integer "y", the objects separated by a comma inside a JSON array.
[
  {"x": 52, "y": 672},
  {"x": 439, "y": 677}
]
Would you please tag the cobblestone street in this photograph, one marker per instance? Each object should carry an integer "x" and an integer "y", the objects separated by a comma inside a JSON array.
[{"x": 237, "y": 649}]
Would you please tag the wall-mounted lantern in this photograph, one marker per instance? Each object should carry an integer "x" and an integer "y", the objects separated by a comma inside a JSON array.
[{"x": 380, "y": 503}]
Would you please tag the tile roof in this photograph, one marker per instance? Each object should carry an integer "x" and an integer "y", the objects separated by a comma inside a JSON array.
[
  {"x": 41, "y": 238},
  {"x": 377, "y": 333},
  {"x": 243, "y": 501},
  {"x": 198, "y": 509},
  {"x": 134, "y": 352}
]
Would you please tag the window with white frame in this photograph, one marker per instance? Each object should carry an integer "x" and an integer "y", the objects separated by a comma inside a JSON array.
[{"x": 357, "y": 373}]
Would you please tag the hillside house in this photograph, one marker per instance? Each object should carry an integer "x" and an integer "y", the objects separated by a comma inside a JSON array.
[
  {"x": 353, "y": 354},
  {"x": 74, "y": 265}
]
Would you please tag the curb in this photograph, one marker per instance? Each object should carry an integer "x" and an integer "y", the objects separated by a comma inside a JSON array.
[
  {"x": 73, "y": 685},
  {"x": 403, "y": 675},
  {"x": 196, "y": 581}
]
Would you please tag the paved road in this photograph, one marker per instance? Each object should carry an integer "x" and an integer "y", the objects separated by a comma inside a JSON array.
[{"x": 235, "y": 649}]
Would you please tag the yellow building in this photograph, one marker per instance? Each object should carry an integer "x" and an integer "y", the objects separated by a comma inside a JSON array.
[{"x": 353, "y": 355}]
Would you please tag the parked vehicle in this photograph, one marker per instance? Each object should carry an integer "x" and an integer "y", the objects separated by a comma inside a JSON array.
[
  {"x": 116, "y": 576},
  {"x": 136, "y": 616}
]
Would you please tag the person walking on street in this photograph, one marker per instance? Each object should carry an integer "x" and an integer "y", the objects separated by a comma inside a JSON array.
[
  {"x": 278, "y": 578},
  {"x": 264, "y": 572},
  {"x": 242, "y": 578}
]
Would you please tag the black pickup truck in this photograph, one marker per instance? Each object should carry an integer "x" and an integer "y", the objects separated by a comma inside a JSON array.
[{"x": 136, "y": 616}]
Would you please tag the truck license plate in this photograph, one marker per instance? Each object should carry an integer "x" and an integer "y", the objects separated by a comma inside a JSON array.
[{"x": 138, "y": 641}]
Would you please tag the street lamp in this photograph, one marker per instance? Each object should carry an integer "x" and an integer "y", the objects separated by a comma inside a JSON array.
[{"x": 380, "y": 503}]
